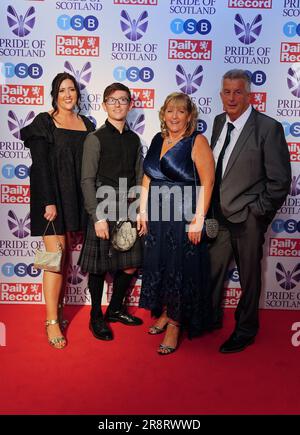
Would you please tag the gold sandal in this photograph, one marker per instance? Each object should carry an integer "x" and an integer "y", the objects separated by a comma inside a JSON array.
[{"x": 55, "y": 340}]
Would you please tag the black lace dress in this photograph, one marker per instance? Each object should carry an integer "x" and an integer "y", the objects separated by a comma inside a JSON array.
[{"x": 175, "y": 272}]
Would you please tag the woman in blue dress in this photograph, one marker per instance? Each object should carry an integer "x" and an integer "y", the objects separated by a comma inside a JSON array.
[{"x": 175, "y": 285}]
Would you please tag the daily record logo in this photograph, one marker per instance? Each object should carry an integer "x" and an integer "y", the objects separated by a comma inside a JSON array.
[
  {"x": 189, "y": 82},
  {"x": 287, "y": 278},
  {"x": 258, "y": 100},
  {"x": 250, "y": 4},
  {"x": 21, "y": 70},
  {"x": 15, "y": 124},
  {"x": 290, "y": 52},
  {"x": 77, "y": 45},
  {"x": 19, "y": 226},
  {"x": 134, "y": 29},
  {"x": 294, "y": 149},
  {"x": 142, "y": 98},
  {"x": 82, "y": 76},
  {"x": 284, "y": 247},
  {"x": 20, "y": 292},
  {"x": 77, "y": 23},
  {"x": 136, "y": 2},
  {"x": 133, "y": 74},
  {"x": 192, "y": 7},
  {"x": 187, "y": 49},
  {"x": 14, "y": 194},
  {"x": 22, "y": 95},
  {"x": 21, "y": 25}
]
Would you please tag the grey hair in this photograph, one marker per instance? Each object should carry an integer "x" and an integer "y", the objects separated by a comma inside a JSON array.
[{"x": 236, "y": 74}]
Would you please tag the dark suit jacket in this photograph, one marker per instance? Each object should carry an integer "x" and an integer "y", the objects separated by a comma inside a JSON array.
[{"x": 258, "y": 173}]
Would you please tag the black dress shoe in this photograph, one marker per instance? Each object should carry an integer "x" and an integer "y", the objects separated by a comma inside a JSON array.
[
  {"x": 123, "y": 317},
  {"x": 236, "y": 344},
  {"x": 100, "y": 329}
]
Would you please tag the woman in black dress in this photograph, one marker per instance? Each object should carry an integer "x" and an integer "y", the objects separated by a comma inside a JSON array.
[{"x": 55, "y": 140}]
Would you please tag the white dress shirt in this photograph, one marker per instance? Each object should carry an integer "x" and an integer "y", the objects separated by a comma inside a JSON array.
[{"x": 238, "y": 127}]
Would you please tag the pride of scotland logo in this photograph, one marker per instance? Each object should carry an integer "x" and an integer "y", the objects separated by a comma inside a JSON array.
[
  {"x": 15, "y": 124},
  {"x": 287, "y": 279},
  {"x": 137, "y": 124},
  {"x": 247, "y": 33},
  {"x": 75, "y": 275},
  {"x": 295, "y": 186},
  {"x": 189, "y": 83},
  {"x": 19, "y": 227},
  {"x": 19, "y": 24},
  {"x": 82, "y": 77},
  {"x": 134, "y": 29},
  {"x": 293, "y": 80}
]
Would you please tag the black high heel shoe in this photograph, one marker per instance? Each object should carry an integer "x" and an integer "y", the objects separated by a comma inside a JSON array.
[{"x": 164, "y": 349}]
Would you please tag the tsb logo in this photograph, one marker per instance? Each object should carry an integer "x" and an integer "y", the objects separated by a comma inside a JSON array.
[
  {"x": 258, "y": 78},
  {"x": 10, "y": 171},
  {"x": 133, "y": 74},
  {"x": 77, "y": 22},
  {"x": 290, "y": 226},
  {"x": 291, "y": 129},
  {"x": 190, "y": 26},
  {"x": 19, "y": 269},
  {"x": 291, "y": 29},
  {"x": 22, "y": 70}
]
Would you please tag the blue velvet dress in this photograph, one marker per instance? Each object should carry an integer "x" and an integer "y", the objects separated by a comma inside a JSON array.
[{"x": 175, "y": 272}]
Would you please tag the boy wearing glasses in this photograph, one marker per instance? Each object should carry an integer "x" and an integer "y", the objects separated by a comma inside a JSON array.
[{"x": 111, "y": 153}]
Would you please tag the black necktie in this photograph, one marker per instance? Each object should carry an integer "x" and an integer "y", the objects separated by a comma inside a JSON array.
[{"x": 219, "y": 168}]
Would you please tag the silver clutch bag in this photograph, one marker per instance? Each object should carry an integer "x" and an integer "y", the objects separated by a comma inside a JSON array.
[
  {"x": 211, "y": 228},
  {"x": 46, "y": 260},
  {"x": 123, "y": 235}
]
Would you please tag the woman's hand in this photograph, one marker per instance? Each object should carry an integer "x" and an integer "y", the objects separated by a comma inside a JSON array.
[
  {"x": 142, "y": 223},
  {"x": 102, "y": 230},
  {"x": 50, "y": 212},
  {"x": 195, "y": 230}
]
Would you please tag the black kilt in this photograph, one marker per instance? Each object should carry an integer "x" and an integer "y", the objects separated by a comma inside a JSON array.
[{"x": 98, "y": 255}]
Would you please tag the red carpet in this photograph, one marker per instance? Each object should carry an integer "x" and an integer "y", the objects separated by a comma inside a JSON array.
[{"x": 126, "y": 376}]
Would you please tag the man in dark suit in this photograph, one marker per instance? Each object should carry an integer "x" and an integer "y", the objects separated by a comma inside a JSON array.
[{"x": 253, "y": 177}]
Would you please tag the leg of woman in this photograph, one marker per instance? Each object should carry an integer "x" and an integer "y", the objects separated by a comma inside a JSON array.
[
  {"x": 170, "y": 340},
  {"x": 52, "y": 284}
]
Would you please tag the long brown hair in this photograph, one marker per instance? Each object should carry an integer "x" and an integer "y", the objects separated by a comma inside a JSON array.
[{"x": 57, "y": 81}]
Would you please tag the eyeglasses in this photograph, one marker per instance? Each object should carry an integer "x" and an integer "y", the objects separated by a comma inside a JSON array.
[{"x": 122, "y": 100}]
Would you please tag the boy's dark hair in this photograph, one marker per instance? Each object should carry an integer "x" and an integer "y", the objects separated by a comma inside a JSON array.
[{"x": 115, "y": 87}]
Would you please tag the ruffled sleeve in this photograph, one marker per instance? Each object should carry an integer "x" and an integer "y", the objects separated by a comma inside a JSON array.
[{"x": 38, "y": 137}]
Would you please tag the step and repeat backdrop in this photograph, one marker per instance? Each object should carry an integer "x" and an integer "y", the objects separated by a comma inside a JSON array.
[{"x": 154, "y": 47}]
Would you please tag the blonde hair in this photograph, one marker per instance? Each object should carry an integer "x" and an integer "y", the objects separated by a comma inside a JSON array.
[{"x": 179, "y": 99}]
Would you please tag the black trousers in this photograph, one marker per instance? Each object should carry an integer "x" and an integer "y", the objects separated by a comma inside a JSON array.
[{"x": 243, "y": 242}]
